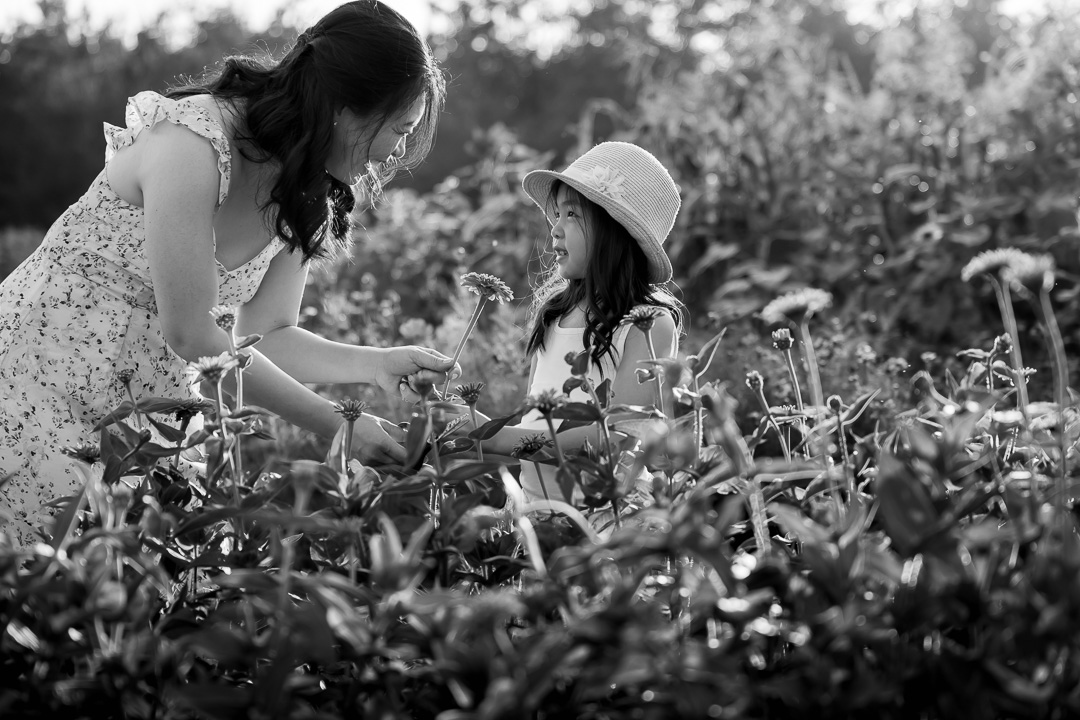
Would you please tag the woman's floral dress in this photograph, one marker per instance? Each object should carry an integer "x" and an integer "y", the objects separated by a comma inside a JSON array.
[{"x": 80, "y": 309}]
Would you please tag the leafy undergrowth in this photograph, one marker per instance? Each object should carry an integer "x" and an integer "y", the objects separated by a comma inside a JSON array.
[{"x": 837, "y": 561}]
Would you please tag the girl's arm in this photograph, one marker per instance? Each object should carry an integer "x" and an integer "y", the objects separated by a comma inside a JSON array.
[{"x": 177, "y": 175}]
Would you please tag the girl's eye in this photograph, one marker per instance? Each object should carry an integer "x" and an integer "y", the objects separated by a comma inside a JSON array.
[{"x": 570, "y": 213}]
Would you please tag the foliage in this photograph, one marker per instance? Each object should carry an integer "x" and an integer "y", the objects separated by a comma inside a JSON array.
[{"x": 920, "y": 564}]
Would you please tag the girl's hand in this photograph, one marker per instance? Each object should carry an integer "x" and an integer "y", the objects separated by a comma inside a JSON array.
[
  {"x": 403, "y": 369},
  {"x": 377, "y": 441}
]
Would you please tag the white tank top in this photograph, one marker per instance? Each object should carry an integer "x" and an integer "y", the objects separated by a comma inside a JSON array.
[{"x": 552, "y": 369}]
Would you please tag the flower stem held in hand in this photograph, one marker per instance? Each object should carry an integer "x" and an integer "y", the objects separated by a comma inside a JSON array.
[{"x": 488, "y": 287}]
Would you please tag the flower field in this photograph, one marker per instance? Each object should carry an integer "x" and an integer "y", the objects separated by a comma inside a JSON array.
[
  {"x": 854, "y": 497},
  {"x": 921, "y": 563}
]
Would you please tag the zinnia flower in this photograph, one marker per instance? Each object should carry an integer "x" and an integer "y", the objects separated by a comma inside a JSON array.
[
  {"x": 350, "y": 409},
  {"x": 1034, "y": 273},
  {"x": 470, "y": 392},
  {"x": 487, "y": 286},
  {"x": 795, "y": 306},
  {"x": 990, "y": 262},
  {"x": 224, "y": 316},
  {"x": 187, "y": 409},
  {"x": 530, "y": 444},
  {"x": 89, "y": 453},
  {"x": 212, "y": 368},
  {"x": 642, "y": 318},
  {"x": 546, "y": 401}
]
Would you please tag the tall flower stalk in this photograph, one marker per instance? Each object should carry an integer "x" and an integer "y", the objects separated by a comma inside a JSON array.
[
  {"x": 351, "y": 410},
  {"x": 643, "y": 318},
  {"x": 783, "y": 342},
  {"x": 528, "y": 446},
  {"x": 796, "y": 309},
  {"x": 755, "y": 382},
  {"x": 470, "y": 395},
  {"x": 125, "y": 376},
  {"x": 836, "y": 405},
  {"x": 1033, "y": 277},
  {"x": 225, "y": 318},
  {"x": 994, "y": 264},
  {"x": 213, "y": 370},
  {"x": 488, "y": 288}
]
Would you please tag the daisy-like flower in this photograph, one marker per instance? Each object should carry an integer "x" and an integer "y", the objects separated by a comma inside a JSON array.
[
  {"x": 224, "y": 316},
  {"x": 125, "y": 376},
  {"x": 530, "y": 444},
  {"x": 1034, "y": 273},
  {"x": 990, "y": 262},
  {"x": 1002, "y": 345},
  {"x": 187, "y": 409},
  {"x": 782, "y": 340},
  {"x": 470, "y": 392},
  {"x": 350, "y": 409},
  {"x": 795, "y": 306},
  {"x": 88, "y": 453},
  {"x": 642, "y": 318},
  {"x": 754, "y": 381},
  {"x": 546, "y": 401},
  {"x": 487, "y": 286},
  {"x": 212, "y": 368}
]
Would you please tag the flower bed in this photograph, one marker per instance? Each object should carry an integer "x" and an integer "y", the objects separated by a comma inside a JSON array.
[{"x": 837, "y": 561}]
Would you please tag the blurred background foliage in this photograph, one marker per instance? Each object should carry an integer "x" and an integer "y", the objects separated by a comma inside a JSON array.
[{"x": 870, "y": 160}]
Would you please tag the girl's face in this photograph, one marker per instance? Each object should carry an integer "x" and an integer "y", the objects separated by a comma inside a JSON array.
[
  {"x": 353, "y": 148},
  {"x": 569, "y": 236}
]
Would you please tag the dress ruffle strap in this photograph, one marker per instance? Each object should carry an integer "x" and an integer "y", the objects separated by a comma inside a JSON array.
[{"x": 148, "y": 108}]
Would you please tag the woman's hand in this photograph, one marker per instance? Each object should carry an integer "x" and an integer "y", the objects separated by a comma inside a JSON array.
[
  {"x": 405, "y": 369},
  {"x": 377, "y": 441}
]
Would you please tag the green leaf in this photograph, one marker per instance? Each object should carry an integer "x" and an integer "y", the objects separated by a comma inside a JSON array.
[
  {"x": 905, "y": 505},
  {"x": 582, "y": 412},
  {"x": 492, "y": 427}
]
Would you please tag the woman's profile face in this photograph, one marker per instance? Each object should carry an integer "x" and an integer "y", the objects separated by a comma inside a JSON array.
[{"x": 353, "y": 147}]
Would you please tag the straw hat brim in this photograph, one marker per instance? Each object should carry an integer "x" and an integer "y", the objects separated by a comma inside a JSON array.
[{"x": 537, "y": 185}]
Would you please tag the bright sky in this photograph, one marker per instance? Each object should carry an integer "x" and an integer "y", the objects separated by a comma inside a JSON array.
[{"x": 127, "y": 17}]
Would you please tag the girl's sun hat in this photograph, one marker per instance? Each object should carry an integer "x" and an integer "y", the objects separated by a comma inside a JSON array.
[{"x": 631, "y": 185}]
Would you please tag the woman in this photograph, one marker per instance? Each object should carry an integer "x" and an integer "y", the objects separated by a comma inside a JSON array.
[{"x": 219, "y": 193}]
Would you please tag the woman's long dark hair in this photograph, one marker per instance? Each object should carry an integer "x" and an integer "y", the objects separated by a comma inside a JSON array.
[
  {"x": 616, "y": 280},
  {"x": 361, "y": 56}
]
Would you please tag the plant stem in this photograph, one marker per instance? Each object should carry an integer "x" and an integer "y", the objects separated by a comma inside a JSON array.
[
  {"x": 540, "y": 477},
  {"x": 760, "y": 395},
  {"x": 347, "y": 446},
  {"x": 461, "y": 343},
  {"x": 1004, "y": 298},
  {"x": 816, "y": 393},
  {"x": 1061, "y": 381},
  {"x": 659, "y": 381},
  {"x": 757, "y": 517},
  {"x": 479, "y": 443},
  {"x": 794, "y": 379}
]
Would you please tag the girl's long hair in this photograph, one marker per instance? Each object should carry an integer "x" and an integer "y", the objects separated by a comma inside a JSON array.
[
  {"x": 615, "y": 281},
  {"x": 361, "y": 56}
]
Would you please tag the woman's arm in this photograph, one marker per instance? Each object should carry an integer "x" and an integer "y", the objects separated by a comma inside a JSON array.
[
  {"x": 274, "y": 313},
  {"x": 178, "y": 178}
]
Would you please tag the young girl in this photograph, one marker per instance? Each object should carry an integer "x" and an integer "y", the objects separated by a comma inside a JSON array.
[{"x": 610, "y": 213}]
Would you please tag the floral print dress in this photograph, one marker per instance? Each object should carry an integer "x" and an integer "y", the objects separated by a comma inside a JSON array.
[{"x": 80, "y": 309}]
